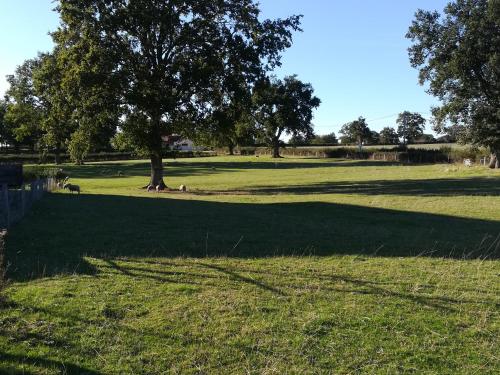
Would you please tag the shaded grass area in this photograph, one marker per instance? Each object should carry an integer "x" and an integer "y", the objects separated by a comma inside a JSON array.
[
  {"x": 62, "y": 230},
  {"x": 295, "y": 266},
  {"x": 280, "y": 315}
]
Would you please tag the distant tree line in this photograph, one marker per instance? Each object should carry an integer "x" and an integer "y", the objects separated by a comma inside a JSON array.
[
  {"x": 410, "y": 130},
  {"x": 131, "y": 74}
]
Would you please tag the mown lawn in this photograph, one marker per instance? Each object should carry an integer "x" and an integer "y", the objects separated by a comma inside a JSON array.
[{"x": 297, "y": 266}]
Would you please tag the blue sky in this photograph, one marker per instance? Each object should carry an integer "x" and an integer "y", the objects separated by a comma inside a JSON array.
[{"x": 353, "y": 52}]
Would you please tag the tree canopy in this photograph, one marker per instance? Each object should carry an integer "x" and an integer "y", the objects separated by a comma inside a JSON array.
[
  {"x": 411, "y": 126},
  {"x": 356, "y": 132},
  {"x": 170, "y": 61},
  {"x": 388, "y": 136},
  {"x": 458, "y": 55},
  {"x": 283, "y": 107}
]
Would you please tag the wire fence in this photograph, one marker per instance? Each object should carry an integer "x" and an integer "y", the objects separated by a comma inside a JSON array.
[{"x": 15, "y": 203}]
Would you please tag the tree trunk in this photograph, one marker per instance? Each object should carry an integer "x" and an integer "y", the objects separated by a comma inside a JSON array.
[
  {"x": 57, "y": 155},
  {"x": 495, "y": 159},
  {"x": 276, "y": 150},
  {"x": 156, "y": 151},
  {"x": 156, "y": 181},
  {"x": 231, "y": 149}
]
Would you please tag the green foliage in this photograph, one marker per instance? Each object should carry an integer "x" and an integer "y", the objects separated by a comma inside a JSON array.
[
  {"x": 356, "y": 132},
  {"x": 79, "y": 146},
  {"x": 170, "y": 83},
  {"x": 23, "y": 109},
  {"x": 411, "y": 126},
  {"x": 327, "y": 139},
  {"x": 283, "y": 107},
  {"x": 458, "y": 55},
  {"x": 36, "y": 172},
  {"x": 388, "y": 136}
]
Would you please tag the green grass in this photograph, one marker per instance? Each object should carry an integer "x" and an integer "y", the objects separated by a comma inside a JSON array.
[{"x": 296, "y": 266}]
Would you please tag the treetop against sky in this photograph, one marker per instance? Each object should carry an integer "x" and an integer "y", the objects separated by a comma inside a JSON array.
[{"x": 353, "y": 53}]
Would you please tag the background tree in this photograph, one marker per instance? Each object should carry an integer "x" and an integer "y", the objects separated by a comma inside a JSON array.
[
  {"x": 24, "y": 111},
  {"x": 356, "y": 132},
  {"x": 283, "y": 107},
  {"x": 425, "y": 139},
  {"x": 457, "y": 53},
  {"x": 388, "y": 136},
  {"x": 7, "y": 136},
  {"x": 410, "y": 126},
  {"x": 374, "y": 138},
  {"x": 56, "y": 120},
  {"x": 301, "y": 140},
  {"x": 327, "y": 139},
  {"x": 168, "y": 56}
]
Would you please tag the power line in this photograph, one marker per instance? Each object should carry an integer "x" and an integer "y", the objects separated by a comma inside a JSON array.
[{"x": 395, "y": 115}]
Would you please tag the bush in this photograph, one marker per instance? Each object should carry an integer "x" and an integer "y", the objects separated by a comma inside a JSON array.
[
  {"x": 79, "y": 147},
  {"x": 35, "y": 173}
]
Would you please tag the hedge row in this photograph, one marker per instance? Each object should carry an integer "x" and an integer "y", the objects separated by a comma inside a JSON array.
[
  {"x": 96, "y": 157},
  {"x": 444, "y": 154}
]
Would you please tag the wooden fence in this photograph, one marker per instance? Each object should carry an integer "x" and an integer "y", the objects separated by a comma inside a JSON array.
[{"x": 16, "y": 202}]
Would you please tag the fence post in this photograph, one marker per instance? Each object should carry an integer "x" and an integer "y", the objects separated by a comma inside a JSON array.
[{"x": 5, "y": 202}]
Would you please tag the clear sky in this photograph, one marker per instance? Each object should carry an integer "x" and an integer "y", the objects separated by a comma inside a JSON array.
[{"x": 353, "y": 52}]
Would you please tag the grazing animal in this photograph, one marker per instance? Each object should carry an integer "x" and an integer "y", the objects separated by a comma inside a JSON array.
[
  {"x": 158, "y": 188},
  {"x": 468, "y": 163},
  {"x": 60, "y": 185},
  {"x": 183, "y": 188},
  {"x": 72, "y": 188}
]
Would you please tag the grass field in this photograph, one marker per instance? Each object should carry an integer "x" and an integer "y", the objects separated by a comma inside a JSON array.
[{"x": 299, "y": 266}]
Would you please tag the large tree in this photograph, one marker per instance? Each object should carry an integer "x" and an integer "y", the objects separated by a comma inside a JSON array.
[
  {"x": 458, "y": 55},
  {"x": 356, "y": 132},
  {"x": 283, "y": 107},
  {"x": 168, "y": 56},
  {"x": 389, "y": 136},
  {"x": 411, "y": 126}
]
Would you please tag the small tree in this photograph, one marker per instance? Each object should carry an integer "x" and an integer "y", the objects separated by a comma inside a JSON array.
[
  {"x": 457, "y": 53},
  {"x": 410, "y": 126},
  {"x": 283, "y": 107},
  {"x": 356, "y": 132},
  {"x": 79, "y": 146},
  {"x": 388, "y": 136}
]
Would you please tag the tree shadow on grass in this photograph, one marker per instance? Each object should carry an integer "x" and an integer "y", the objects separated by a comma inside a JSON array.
[
  {"x": 63, "y": 368},
  {"x": 186, "y": 167},
  {"x": 482, "y": 186},
  {"x": 62, "y": 229}
]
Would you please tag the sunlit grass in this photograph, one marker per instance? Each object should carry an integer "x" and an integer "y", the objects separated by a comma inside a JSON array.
[{"x": 296, "y": 266}]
